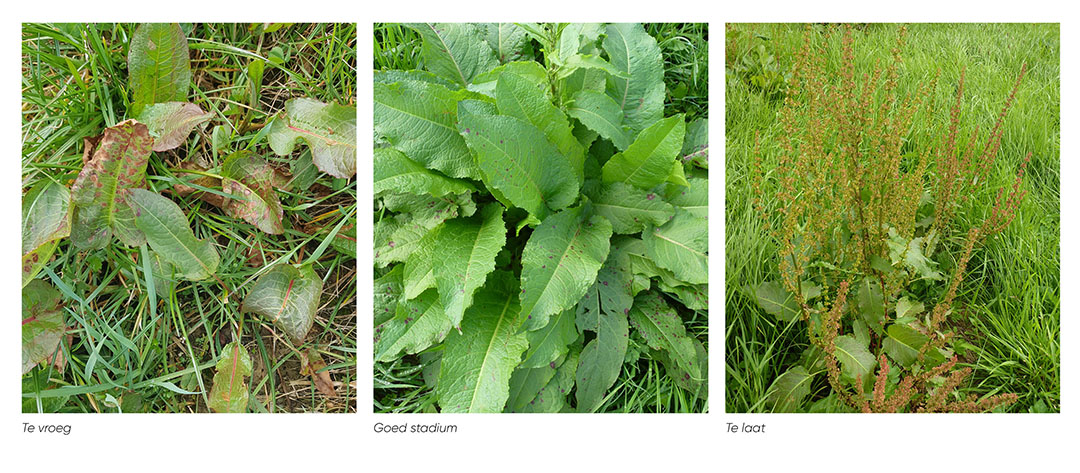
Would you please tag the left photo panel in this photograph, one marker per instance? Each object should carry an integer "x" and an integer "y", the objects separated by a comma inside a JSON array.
[{"x": 188, "y": 218}]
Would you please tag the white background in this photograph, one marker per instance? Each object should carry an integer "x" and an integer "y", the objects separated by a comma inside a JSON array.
[{"x": 212, "y": 442}]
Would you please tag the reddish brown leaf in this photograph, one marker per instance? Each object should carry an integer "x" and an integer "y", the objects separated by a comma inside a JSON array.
[{"x": 313, "y": 362}]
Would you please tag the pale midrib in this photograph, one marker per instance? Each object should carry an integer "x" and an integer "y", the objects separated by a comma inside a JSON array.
[
  {"x": 523, "y": 172},
  {"x": 853, "y": 358},
  {"x": 411, "y": 328},
  {"x": 406, "y": 112},
  {"x": 668, "y": 337},
  {"x": 453, "y": 60},
  {"x": 614, "y": 128},
  {"x": 468, "y": 269},
  {"x": 639, "y": 209},
  {"x": 34, "y": 223},
  {"x": 487, "y": 353},
  {"x": 648, "y": 157},
  {"x": 626, "y": 90},
  {"x": 327, "y": 139},
  {"x": 177, "y": 238},
  {"x": 547, "y": 336},
  {"x": 662, "y": 237},
  {"x": 547, "y": 283}
]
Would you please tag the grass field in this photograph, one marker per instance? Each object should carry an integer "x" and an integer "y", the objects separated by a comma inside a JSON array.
[
  {"x": 1009, "y": 300},
  {"x": 644, "y": 386},
  {"x": 129, "y": 349}
]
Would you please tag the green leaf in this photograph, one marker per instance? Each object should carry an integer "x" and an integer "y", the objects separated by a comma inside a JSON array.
[
  {"x": 42, "y": 323},
  {"x": 516, "y": 159},
  {"x": 252, "y": 180},
  {"x": 775, "y": 300},
  {"x": 696, "y": 385},
  {"x": 99, "y": 195},
  {"x": 696, "y": 143},
  {"x": 601, "y": 114},
  {"x": 637, "y": 55},
  {"x": 906, "y": 308},
  {"x": 560, "y": 262},
  {"x": 681, "y": 246},
  {"x": 46, "y": 218},
  {"x": 855, "y": 359},
  {"x": 694, "y": 297},
  {"x": 871, "y": 305},
  {"x": 229, "y": 393},
  {"x": 663, "y": 329},
  {"x": 789, "y": 390},
  {"x": 604, "y": 310},
  {"x": 392, "y": 76},
  {"x": 329, "y": 129},
  {"x": 478, "y": 361},
  {"x": 419, "y": 119},
  {"x": 170, "y": 123},
  {"x": 456, "y": 51},
  {"x": 419, "y": 274},
  {"x": 903, "y": 344},
  {"x": 531, "y": 71},
  {"x": 517, "y": 97},
  {"x": 527, "y": 383},
  {"x": 552, "y": 398},
  {"x": 159, "y": 66},
  {"x": 509, "y": 41},
  {"x": 550, "y": 342},
  {"x": 167, "y": 231},
  {"x": 287, "y": 296},
  {"x": 647, "y": 161},
  {"x": 588, "y": 61},
  {"x": 630, "y": 209},
  {"x": 463, "y": 257},
  {"x": 396, "y": 172},
  {"x": 386, "y": 292},
  {"x": 693, "y": 198},
  {"x": 418, "y": 324}
]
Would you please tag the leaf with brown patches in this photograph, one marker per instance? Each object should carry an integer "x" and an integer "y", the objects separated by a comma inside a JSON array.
[
  {"x": 99, "y": 195},
  {"x": 287, "y": 296},
  {"x": 229, "y": 393},
  {"x": 314, "y": 366},
  {"x": 253, "y": 180},
  {"x": 329, "y": 129},
  {"x": 46, "y": 218},
  {"x": 170, "y": 123},
  {"x": 42, "y": 323}
]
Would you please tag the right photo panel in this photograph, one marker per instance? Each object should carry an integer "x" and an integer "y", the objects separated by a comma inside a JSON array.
[{"x": 892, "y": 218}]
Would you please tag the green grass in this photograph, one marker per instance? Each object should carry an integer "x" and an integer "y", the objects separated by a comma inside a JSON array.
[
  {"x": 1008, "y": 305},
  {"x": 642, "y": 386},
  {"x": 133, "y": 350}
]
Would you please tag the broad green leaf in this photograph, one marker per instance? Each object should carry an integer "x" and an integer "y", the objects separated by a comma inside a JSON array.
[
  {"x": 418, "y": 324},
  {"x": 871, "y": 305},
  {"x": 641, "y": 93},
  {"x": 168, "y": 233},
  {"x": 517, "y": 97},
  {"x": 630, "y": 209},
  {"x": 99, "y": 195},
  {"x": 392, "y": 76},
  {"x": 419, "y": 274},
  {"x": 42, "y": 323},
  {"x": 576, "y": 38},
  {"x": 588, "y": 61},
  {"x": 531, "y": 71},
  {"x": 809, "y": 290},
  {"x": 550, "y": 342},
  {"x": 906, "y": 308},
  {"x": 601, "y": 114},
  {"x": 396, "y": 172},
  {"x": 400, "y": 244},
  {"x": 159, "y": 66},
  {"x": 681, "y": 246},
  {"x": 517, "y": 160},
  {"x": 648, "y": 160},
  {"x": 685, "y": 379},
  {"x": 789, "y": 390},
  {"x": 428, "y": 211},
  {"x": 386, "y": 292},
  {"x": 560, "y": 262},
  {"x": 165, "y": 275},
  {"x": 552, "y": 398},
  {"x": 663, "y": 329},
  {"x": 46, "y": 218},
  {"x": 604, "y": 310},
  {"x": 478, "y": 361},
  {"x": 287, "y": 296},
  {"x": 252, "y": 180},
  {"x": 170, "y": 123},
  {"x": 696, "y": 143},
  {"x": 419, "y": 119},
  {"x": 774, "y": 299},
  {"x": 509, "y": 41},
  {"x": 643, "y": 266},
  {"x": 694, "y": 297},
  {"x": 903, "y": 344},
  {"x": 861, "y": 332},
  {"x": 855, "y": 359},
  {"x": 229, "y": 393},
  {"x": 693, "y": 198},
  {"x": 910, "y": 252},
  {"x": 527, "y": 383},
  {"x": 329, "y": 129},
  {"x": 456, "y": 51},
  {"x": 463, "y": 257}
]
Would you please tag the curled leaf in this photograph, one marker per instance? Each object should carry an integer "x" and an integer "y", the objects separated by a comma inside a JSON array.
[
  {"x": 253, "y": 180},
  {"x": 329, "y": 129},
  {"x": 287, "y": 296},
  {"x": 170, "y": 123}
]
